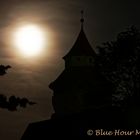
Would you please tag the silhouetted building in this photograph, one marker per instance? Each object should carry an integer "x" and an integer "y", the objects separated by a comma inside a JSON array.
[
  {"x": 80, "y": 86},
  {"x": 81, "y": 98}
]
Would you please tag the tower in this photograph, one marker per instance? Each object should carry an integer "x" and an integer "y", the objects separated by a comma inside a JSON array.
[
  {"x": 80, "y": 87},
  {"x": 81, "y": 54}
]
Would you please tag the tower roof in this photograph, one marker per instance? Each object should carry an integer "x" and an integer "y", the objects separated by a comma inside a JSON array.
[{"x": 82, "y": 45}]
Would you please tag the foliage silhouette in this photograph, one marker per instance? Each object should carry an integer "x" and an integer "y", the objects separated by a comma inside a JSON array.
[
  {"x": 3, "y": 69},
  {"x": 119, "y": 62},
  {"x": 13, "y": 102}
]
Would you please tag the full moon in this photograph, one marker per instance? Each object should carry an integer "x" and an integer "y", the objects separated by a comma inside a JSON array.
[{"x": 29, "y": 40}]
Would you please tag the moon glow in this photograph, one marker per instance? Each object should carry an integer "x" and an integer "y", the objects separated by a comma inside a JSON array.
[{"x": 29, "y": 40}]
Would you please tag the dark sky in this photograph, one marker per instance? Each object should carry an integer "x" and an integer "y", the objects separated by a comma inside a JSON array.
[{"x": 30, "y": 77}]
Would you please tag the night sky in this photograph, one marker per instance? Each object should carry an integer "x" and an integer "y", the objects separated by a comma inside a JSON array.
[{"x": 60, "y": 19}]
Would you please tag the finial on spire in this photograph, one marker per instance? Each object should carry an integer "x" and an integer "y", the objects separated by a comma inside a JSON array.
[{"x": 82, "y": 19}]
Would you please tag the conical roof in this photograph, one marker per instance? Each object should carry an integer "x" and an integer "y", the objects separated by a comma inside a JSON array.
[{"x": 81, "y": 47}]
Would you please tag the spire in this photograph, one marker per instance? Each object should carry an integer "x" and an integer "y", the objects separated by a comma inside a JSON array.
[
  {"x": 81, "y": 47},
  {"x": 82, "y": 19}
]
